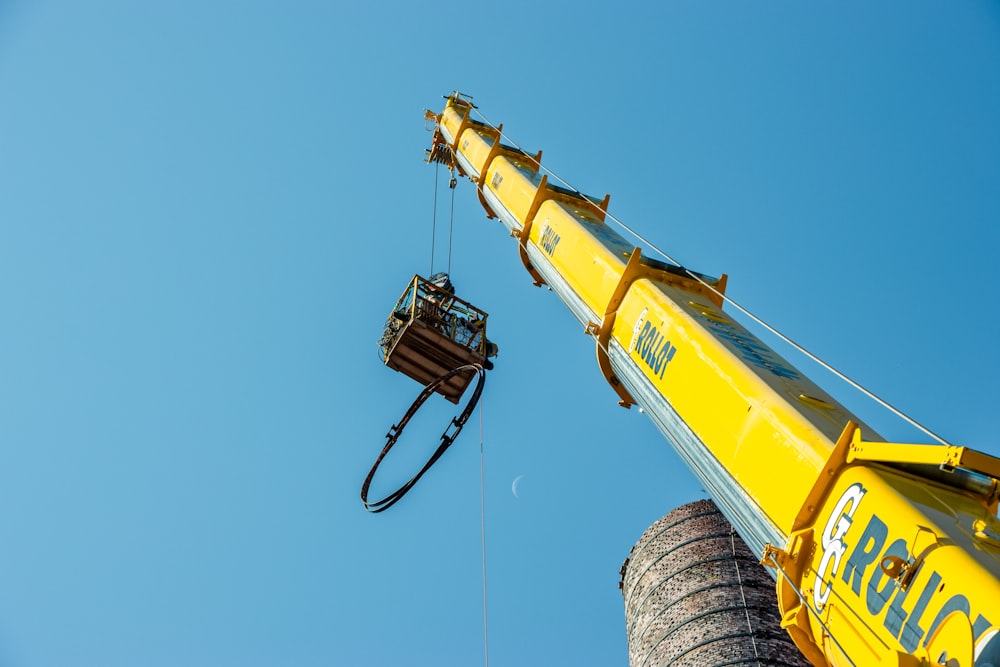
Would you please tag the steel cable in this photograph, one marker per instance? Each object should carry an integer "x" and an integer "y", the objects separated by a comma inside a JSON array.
[
  {"x": 482, "y": 499},
  {"x": 799, "y": 348}
]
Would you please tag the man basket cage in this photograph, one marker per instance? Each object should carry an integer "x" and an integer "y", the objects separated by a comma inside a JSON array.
[{"x": 431, "y": 332}]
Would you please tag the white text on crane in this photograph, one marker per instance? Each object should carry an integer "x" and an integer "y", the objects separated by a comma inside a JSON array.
[{"x": 833, "y": 541}]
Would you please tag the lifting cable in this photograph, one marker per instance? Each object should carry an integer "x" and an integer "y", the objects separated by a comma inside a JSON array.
[
  {"x": 458, "y": 422},
  {"x": 829, "y": 368},
  {"x": 451, "y": 218},
  {"x": 446, "y": 438},
  {"x": 482, "y": 500},
  {"x": 452, "y": 182},
  {"x": 434, "y": 215},
  {"x": 446, "y": 441}
]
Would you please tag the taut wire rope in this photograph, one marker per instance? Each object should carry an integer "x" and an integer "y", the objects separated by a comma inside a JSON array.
[
  {"x": 451, "y": 218},
  {"x": 390, "y": 500},
  {"x": 746, "y": 609},
  {"x": 805, "y": 603},
  {"x": 451, "y": 215},
  {"x": 434, "y": 216},
  {"x": 799, "y": 348}
]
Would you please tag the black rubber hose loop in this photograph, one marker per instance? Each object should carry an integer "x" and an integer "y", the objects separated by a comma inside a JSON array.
[{"x": 397, "y": 429}]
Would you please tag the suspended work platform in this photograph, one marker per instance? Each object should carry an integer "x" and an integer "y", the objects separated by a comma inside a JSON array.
[{"x": 432, "y": 332}]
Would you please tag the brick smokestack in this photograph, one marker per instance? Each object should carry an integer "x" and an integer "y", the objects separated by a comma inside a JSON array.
[{"x": 696, "y": 596}]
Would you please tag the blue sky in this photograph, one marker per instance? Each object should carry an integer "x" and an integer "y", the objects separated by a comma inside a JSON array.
[{"x": 207, "y": 210}]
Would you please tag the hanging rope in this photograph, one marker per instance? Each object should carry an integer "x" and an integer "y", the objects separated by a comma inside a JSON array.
[
  {"x": 482, "y": 499},
  {"x": 434, "y": 216},
  {"x": 446, "y": 438},
  {"x": 451, "y": 217},
  {"x": 828, "y": 367},
  {"x": 452, "y": 182}
]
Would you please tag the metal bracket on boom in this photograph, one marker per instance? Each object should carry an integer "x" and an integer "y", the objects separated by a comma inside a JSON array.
[
  {"x": 795, "y": 611},
  {"x": 946, "y": 457},
  {"x": 494, "y": 151},
  {"x": 834, "y": 464},
  {"x": 638, "y": 268},
  {"x": 633, "y": 271},
  {"x": 543, "y": 194}
]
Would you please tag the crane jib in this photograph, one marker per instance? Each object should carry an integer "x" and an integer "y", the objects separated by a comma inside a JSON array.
[{"x": 881, "y": 554}]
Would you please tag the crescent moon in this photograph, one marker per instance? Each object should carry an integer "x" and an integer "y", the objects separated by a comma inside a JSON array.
[{"x": 513, "y": 486}]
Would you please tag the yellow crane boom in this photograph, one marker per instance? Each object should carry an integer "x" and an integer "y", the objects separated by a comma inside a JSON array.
[{"x": 883, "y": 554}]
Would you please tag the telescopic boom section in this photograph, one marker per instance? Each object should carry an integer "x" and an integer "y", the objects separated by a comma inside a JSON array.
[{"x": 883, "y": 553}]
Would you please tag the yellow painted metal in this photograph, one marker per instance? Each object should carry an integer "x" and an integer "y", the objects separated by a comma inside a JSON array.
[
  {"x": 738, "y": 411},
  {"x": 454, "y": 119},
  {"x": 970, "y": 459},
  {"x": 946, "y": 456},
  {"x": 892, "y": 562},
  {"x": 479, "y": 144},
  {"x": 953, "y": 638},
  {"x": 872, "y": 560},
  {"x": 517, "y": 177}
]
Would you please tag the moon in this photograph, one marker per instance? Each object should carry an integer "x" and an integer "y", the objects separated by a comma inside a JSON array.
[{"x": 513, "y": 486}]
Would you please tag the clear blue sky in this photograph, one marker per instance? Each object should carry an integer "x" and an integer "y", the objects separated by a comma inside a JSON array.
[{"x": 207, "y": 209}]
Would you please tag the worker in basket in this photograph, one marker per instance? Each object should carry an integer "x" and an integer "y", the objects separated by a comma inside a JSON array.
[
  {"x": 437, "y": 306},
  {"x": 463, "y": 330}
]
